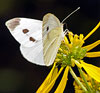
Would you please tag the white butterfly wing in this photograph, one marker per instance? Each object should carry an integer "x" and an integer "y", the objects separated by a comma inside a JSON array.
[
  {"x": 52, "y": 36},
  {"x": 26, "y": 31},
  {"x": 33, "y": 54}
]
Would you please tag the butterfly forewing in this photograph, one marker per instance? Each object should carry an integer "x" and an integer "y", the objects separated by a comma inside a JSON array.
[{"x": 26, "y": 31}]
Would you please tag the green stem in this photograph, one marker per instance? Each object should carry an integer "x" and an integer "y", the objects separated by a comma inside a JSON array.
[
  {"x": 81, "y": 73},
  {"x": 77, "y": 80}
]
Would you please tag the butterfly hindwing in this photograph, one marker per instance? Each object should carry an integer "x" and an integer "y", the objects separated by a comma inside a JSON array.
[
  {"x": 52, "y": 35},
  {"x": 51, "y": 46},
  {"x": 49, "y": 22},
  {"x": 33, "y": 54}
]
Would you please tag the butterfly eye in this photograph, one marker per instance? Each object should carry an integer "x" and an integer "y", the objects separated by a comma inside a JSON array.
[
  {"x": 47, "y": 28},
  {"x": 25, "y": 31}
]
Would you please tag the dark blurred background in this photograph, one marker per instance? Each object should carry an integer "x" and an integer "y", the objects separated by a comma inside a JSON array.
[{"x": 20, "y": 76}]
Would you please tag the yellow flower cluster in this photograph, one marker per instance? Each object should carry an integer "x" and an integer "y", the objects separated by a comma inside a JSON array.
[{"x": 71, "y": 53}]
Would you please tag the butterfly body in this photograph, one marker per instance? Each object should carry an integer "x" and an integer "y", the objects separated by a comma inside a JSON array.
[{"x": 40, "y": 40}]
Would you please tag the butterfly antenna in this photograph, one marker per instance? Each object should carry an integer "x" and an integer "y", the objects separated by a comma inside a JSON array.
[{"x": 70, "y": 14}]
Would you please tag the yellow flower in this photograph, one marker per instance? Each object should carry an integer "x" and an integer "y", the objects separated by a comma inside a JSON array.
[
  {"x": 95, "y": 86},
  {"x": 79, "y": 51},
  {"x": 71, "y": 53},
  {"x": 51, "y": 78}
]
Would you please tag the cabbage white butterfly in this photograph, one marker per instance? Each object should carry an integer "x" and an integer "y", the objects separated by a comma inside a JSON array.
[{"x": 39, "y": 40}]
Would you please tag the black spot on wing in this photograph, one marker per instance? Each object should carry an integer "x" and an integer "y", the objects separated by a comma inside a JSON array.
[
  {"x": 25, "y": 31},
  {"x": 47, "y": 28},
  {"x": 32, "y": 39}
]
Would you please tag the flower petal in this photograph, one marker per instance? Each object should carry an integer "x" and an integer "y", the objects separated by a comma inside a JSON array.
[
  {"x": 70, "y": 35},
  {"x": 92, "y": 70},
  {"x": 53, "y": 76},
  {"x": 88, "y": 35},
  {"x": 93, "y": 45},
  {"x": 81, "y": 36},
  {"x": 66, "y": 40},
  {"x": 93, "y": 54},
  {"x": 63, "y": 82},
  {"x": 47, "y": 80},
  {"x": 81, "y": 39},
  {"x": 52, "y": 82}
]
